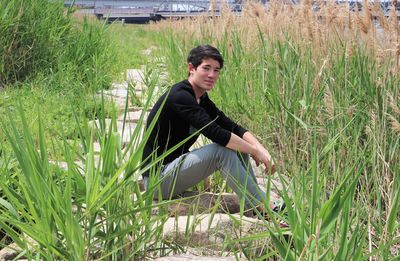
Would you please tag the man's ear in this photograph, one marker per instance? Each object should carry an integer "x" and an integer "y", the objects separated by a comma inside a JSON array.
[{"x": 191, "y": 68}]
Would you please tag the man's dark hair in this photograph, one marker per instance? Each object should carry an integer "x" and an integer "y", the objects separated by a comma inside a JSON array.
[{"x": 201, "y": 52}]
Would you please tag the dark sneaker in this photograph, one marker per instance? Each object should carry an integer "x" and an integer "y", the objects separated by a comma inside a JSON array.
[
  {"x": 283, "y": 224},
  {"x": 277, "y": 206}
]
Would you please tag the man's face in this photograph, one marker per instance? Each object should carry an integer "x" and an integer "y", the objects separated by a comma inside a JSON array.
[{"x": 205, "y": 75}]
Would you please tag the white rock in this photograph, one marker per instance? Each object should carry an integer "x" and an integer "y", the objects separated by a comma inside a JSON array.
[
  {"x": 125, "y": 130},
  {"x": 203, "y": 202},
  {"x": 276, "y": 185},
  {"x": 135, "y": 75},
  {"x": 119, "y": 85},
  {"x": 135, "y": 108},
  {"x": 204, "y": 223},
  {"x": 64, "y": 165},
  {"x": 200, "y": 142},
  {"x": 132, "y": 116},
  {"x": 120, "y": 93},
  {"x": 96, "y": 147},
  {"x": 213, "y": 231},
  {"x": 147, "y": 51}
]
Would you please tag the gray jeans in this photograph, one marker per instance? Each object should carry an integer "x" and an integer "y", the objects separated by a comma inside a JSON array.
[{"x": 193, "y": 167}]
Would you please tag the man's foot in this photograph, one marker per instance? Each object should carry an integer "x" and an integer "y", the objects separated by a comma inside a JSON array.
[
  {"x": 277, "y": 206},
  {"x": 283, "y": 224}
]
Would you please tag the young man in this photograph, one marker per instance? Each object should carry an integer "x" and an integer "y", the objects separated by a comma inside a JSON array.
[{"x": 186, "y": 109}]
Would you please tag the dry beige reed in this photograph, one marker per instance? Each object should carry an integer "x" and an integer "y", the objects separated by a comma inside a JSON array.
[{"x": 332, "y": 26}]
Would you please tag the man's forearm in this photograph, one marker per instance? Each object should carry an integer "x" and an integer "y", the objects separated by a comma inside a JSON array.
[
  {"x": 250, "y": 138},
  {"x": 262, "y": 153},
  {"x": 238, "y": 144}
]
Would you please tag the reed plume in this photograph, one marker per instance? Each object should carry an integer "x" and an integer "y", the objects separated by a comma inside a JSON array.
[
  {"x": 394, "y": 124},
  {"x": 329, "y": 104}
]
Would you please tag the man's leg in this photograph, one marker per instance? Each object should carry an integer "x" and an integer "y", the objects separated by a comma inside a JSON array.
[{"x": 189, "y": 169}]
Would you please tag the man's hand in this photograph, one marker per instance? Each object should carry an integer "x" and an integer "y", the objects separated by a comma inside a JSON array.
[
  {"x": 262, "y": 156},
  {"x": 250, "y": 145}
]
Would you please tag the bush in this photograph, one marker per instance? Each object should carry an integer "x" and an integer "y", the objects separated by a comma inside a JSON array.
[{"x": 41, "y": 38}]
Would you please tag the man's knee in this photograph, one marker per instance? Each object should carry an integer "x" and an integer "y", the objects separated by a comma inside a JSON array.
[{"x": 222, "y": 153}]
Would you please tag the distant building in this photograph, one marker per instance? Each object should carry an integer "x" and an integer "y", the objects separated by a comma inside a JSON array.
[{"x": 168, "y": 5}]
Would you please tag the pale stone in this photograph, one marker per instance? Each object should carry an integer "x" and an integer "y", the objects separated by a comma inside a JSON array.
[
  {"x": 125, "y": 130},
  {"x": 258, "y": 170},
  {"x": 135, "y": 75},
  {"x": 128, "y": 131},
  {"x": 135, "y": 108},
  {"x": 200, "y": 142},
  {"x": 137, "y": 86},
  {"x": 276, "y": 185},
  {"x": 64, "y": 165},
  {"x": 133, "y": 116},
  {"x": 147, "y": 52},
  {"x": 120, "y": 93},
  {"x": 203, "y": 223},
  {"x": 119, "y": 102},
  {"x": 215, "y": 231},
  {"x": 96, "y": 147},
  {"x": 139, "y": 94},
  {"x": 61, "y": 164},
  {"x": 136, "y": 78},
  {"x": 119, "y": 85},
  {"x": 192, "y": 201},
  {"x": 9, "y": 252}
]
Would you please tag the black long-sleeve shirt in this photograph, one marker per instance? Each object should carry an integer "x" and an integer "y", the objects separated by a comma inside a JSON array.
[{"x": 181, "y": 116}]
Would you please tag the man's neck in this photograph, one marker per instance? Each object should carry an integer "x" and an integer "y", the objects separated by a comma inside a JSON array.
[{"x": 197, "y": 91}]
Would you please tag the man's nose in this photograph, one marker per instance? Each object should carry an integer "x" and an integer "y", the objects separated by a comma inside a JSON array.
[{"x": 212, "y": 74}]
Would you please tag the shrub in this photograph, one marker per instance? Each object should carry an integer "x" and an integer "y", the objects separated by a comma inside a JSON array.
[{"x": 41, "y": 38}]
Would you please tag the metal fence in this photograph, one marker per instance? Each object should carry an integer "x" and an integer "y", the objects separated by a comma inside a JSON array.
[{"x": 159, "y": 5}]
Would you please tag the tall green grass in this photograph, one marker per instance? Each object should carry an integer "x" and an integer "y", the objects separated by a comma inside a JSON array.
[
  {"x": 94, "y": 209},
  {"x": 39, "y": 39},
  {"x": 134, "y": 45},
  {"x": 329, "y": 116},
  {"x": 51, "y": 59},
  {"x": 49, "y": 62}
]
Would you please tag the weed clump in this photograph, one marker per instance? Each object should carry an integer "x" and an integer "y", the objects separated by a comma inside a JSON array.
[{"x": 41, "y": 39}]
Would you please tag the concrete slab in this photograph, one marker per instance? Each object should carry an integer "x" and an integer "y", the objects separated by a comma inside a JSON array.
[
  {"x": 120, "y": 93},
  {"x": 133, "y": 116},
  {"x": 135, "y": 75},
  {"x": 119, "y": 85}
]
